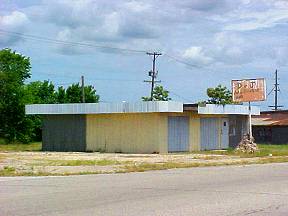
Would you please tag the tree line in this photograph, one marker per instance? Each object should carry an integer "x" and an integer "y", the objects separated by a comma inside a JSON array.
[
  {"x": 15, "y": 69},
  {"x": 15, "y": 93}
]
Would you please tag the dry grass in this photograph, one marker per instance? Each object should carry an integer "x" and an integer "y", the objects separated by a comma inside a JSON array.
[
  {"x": 18, "y": 147},
  {"x": 104, "y": 162},
  {"x": 11, "y": 171},
  {"x": 15, "y": 163},
  {"x": 142, "y": 167},
  {"x": 264, "y": 151}
]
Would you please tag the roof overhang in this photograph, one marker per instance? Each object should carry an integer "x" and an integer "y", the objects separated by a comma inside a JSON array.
[
  {"x": 104, "y": 108},
  {"x": 228, "y": 109},
  {"x": 138, "y": 107}
]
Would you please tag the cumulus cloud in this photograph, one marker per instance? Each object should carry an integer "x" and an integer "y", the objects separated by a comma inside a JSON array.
[
  {"x": 16, "y": 21},
  {"x": 255, "y": 15},
  {"x": 197, "y": 55},
  {"x": 259, "y": 20},
  {"x": 281, "y": 54},
  {"x": 100, "y": 22},
  {"x": 220, "y": 31},
  {"x": 206, "y": 5},
  {"x": 136, "y": 6}
]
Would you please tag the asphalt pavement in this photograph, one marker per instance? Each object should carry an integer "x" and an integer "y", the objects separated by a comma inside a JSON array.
[{"x": 232, "y": 190}]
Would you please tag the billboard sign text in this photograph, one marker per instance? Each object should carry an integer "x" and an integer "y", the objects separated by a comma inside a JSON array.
[{"x": 249, "y": 90}]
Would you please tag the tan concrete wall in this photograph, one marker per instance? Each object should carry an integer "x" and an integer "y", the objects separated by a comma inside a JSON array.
[
  {"x": 194, "y": 133},
  {"x": 131, "y": 133}
]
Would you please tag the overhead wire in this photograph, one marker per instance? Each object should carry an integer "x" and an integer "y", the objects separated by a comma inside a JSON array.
[
  {"x": 72, "y": 43},
  {"x": 81, "y": 44}
]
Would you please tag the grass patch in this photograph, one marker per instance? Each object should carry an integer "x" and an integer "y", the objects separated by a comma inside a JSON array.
[
  {"x": 104, "y": 162},
  {"x": 171, "y": 165},
  {"x": 142, "y": 167},
  {"x": 36, "y": 146},
  {"x": 11, "y": 171},
  {"x": 7, "y": 171},
  {"x": 264, "y": 150}
]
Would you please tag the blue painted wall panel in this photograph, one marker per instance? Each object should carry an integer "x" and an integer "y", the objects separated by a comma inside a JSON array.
[
  {"x": 209, "y": 133},
  {"x": 178, "y": 133}
]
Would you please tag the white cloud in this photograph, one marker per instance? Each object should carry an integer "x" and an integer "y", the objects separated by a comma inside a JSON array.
[
  {"x": 16, "y": 21},
  {"x": 136, "y": 6},
  {"x": 196, "y": 55},
  {"x": 281, "y": 54},
  {"x": 231, "y": 48},
  {"x": 259, "y": 20},
  {"x": 220, "y": 31}
]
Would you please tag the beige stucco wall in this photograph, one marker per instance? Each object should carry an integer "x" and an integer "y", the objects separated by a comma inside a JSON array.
[
  {"x": 139, "y": 132},
  {"x": 131, "y": 133}
]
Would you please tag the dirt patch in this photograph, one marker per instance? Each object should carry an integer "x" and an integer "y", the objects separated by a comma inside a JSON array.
[{"x": 69, "y": 163}]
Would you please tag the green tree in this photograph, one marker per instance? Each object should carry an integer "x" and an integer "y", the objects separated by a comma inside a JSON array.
[
  {"x": 14, "y": 70},
  {"x": 74, "y": 94},
  {"x": 40, "y": 93},
  {"x": 219, "y": 95},
  {"x": 60, "y": 95},
  {"x": 158, "y": 94}
]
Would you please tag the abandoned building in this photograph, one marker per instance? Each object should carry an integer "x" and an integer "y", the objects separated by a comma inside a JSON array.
[
  {"x": 142, "y": 127},
  {"x": 271, "y": 127}
]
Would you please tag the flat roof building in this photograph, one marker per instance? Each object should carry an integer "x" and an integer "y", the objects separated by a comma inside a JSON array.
[{"x": 142, "y": 127}]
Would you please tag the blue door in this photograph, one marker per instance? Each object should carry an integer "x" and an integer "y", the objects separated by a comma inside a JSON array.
[
  {"x": 209, "y": 133},
  {"x": 178, "y": 133},
  {"x": 214, "y": 133}
]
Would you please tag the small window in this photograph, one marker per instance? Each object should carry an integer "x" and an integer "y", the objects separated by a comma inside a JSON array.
[{"x": 224, "y": 123}]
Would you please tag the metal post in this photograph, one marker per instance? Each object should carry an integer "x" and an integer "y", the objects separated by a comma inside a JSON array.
[
  {"x": 250, "y": 122},
  {"x": 276, "y": 91},
  {"x": 82, "y": 89}
]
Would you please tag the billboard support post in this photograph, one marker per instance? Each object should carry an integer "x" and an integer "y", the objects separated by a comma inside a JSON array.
[{"x": 250, "y": 122}]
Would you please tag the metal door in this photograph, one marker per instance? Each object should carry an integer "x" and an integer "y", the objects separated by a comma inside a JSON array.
[
  {"x": 209, "y": 133},
  {"x": 224, "y": 133},
  {"x": 178, "y": 133}
]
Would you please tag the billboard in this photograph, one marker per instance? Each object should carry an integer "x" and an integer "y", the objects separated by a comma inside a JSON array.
[{"x": 249, "y": 90}]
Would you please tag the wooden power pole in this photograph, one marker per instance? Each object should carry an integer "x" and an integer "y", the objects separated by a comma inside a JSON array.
[
  {"x": 276, "y": 90},
  {"x": 153, "y": 73},
  {"x": 82, "y": 89}
]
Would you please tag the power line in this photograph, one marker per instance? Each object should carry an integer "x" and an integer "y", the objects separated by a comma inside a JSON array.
[
  {"x": 181, "y": 61},
  {"x": 270, "y": 91},
  {"x": 97, "y": 79},
  {"x": 179, "y": 96},
  {"x": 50, "y": 40}
]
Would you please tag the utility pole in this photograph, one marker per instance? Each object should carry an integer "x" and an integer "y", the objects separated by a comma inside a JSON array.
[
  {"x": 153, "y": 73},
  {"x": 82, "y": 89},
  {"x": 276, "y": 90}
]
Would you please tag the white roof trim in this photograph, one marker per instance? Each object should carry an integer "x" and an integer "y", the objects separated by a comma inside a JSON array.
[
  {"x": 102, "y": 108},
  {"x": 228, "y": 109}
]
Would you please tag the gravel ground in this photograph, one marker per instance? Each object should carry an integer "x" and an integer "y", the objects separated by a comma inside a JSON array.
[{"x": 35, "y": 162}]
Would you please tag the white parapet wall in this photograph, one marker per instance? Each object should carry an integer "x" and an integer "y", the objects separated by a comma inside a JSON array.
[
  {"x": 228, "y": 109},
  {"x": 102, "y": 108}
]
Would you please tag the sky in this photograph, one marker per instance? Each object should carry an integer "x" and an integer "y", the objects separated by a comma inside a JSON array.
[{"x": 203, "y": 43}]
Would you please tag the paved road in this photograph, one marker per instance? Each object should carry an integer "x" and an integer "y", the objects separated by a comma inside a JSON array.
[{"x": 249, "y": 190}]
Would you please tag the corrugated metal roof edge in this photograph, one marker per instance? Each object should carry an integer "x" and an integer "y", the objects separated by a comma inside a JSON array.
[{"x": 104, "y": 108}]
